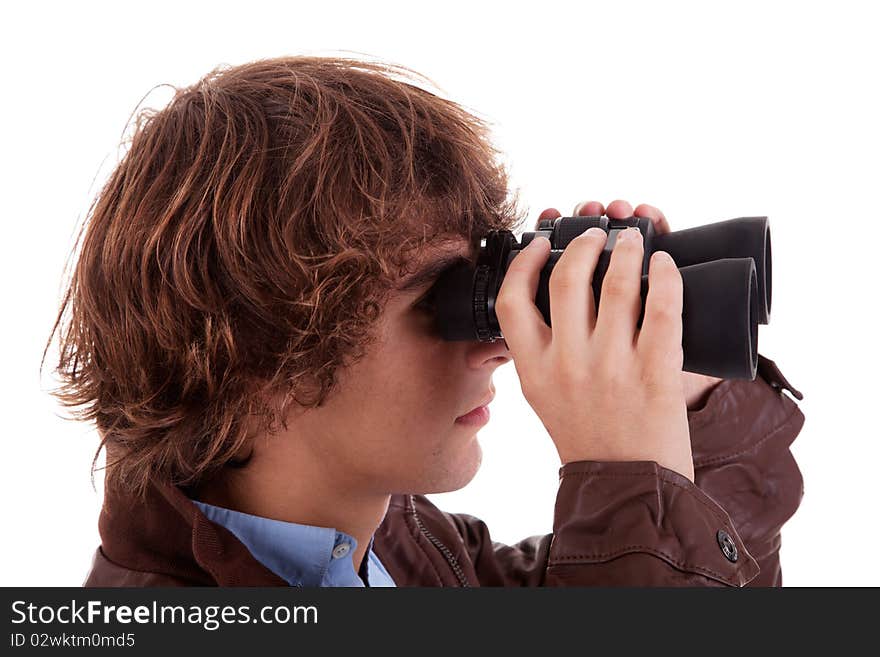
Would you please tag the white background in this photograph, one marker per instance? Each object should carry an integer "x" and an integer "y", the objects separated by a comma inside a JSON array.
[{"x": 705, "y": 110}]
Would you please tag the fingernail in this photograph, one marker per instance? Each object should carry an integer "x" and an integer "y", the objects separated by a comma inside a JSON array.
[
  {"x": 595, "y": 230},
  {"x": 535, "y": 240},
  {"x": 628, "y": 235},
  {"x": 661, "y": 256}
]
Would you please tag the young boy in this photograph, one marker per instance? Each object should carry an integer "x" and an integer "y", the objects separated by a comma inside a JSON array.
[{"x": 247, "y": 329}]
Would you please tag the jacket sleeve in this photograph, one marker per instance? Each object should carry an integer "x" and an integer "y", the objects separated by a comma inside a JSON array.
[
  {"x": 740, "y": 441},
  {"x": 640, "y": 524}
]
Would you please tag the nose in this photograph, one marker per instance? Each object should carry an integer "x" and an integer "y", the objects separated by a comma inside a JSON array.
[{"x": 487, "y": 354}]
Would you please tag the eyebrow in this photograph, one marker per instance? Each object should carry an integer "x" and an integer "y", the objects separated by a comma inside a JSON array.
[{"x": 428, "y": 273}]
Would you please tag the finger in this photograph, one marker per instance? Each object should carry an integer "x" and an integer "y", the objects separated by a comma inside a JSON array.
[
  {"x": 619, "y": 210},
  {"x": 588, "y": 209},
  {"x": 659, "y": 340},
  {"x": 620, "y": 300},
  {"x": 522, "y": 324},
  {"x": 572, "y": 304},
  {"x": 549, "y": 213},
  {"x": 656, "y": 217}
]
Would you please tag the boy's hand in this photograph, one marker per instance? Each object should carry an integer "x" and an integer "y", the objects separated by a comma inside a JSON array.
[
  {"x": 696, "y": 386},
  {"x": 603, "y": 390}
]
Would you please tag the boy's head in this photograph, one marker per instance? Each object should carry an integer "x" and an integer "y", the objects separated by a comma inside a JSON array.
[{"x": 240, "y": 274}]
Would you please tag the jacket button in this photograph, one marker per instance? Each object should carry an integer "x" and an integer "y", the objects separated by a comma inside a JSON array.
[{"x": 728, "y": 547}]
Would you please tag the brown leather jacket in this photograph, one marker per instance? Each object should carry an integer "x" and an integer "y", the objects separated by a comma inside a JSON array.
[{"x": 615, "y": 523}]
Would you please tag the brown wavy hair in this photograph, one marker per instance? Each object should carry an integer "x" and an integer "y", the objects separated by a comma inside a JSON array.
[{"x": 245, "y": 245}]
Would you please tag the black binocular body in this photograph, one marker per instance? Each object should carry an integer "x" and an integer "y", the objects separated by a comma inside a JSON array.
[{"x": 725, "y": 268}]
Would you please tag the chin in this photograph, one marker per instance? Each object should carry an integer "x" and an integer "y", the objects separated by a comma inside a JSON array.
[{"x": 454, "y": 475}]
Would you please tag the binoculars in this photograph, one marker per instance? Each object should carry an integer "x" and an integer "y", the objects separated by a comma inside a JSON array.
[{"x": 725, "y": 268}]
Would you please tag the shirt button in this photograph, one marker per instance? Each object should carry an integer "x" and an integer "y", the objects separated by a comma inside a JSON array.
[
  {"x": 341, "y": 550},
  {"x": 728, "y": 547}
]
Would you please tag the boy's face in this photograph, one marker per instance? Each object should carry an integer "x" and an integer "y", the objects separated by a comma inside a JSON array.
[{"x": 391, "y": 425}]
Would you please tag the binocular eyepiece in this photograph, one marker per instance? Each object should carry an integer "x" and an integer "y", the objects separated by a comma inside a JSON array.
[{"x": 725, "y": 268}]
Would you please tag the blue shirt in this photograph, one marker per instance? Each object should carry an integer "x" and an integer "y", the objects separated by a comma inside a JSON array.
[{"x": 303, "y": 555}]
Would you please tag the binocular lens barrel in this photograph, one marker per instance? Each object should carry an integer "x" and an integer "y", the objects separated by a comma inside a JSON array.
[{"x": 746, "y": 237}]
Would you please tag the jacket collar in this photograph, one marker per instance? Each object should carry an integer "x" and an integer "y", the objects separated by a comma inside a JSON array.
[{"x": 167, "y": 533}]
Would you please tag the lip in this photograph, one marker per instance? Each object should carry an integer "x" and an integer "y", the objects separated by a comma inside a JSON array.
[
  {"x": 477, "y": 417},
  {"x": 485, "y": 403}
]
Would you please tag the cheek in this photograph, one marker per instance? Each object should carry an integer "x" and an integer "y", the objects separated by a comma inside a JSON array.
[
  {"x": 423, "y": 373},
  {"x": 418, "y": 405},
  {"x": 417, "y": 384},
  {"x": 418, "y": 414}
]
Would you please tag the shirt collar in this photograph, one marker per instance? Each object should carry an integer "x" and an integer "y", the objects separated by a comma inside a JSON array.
[{"x": 303, "y": 555}]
